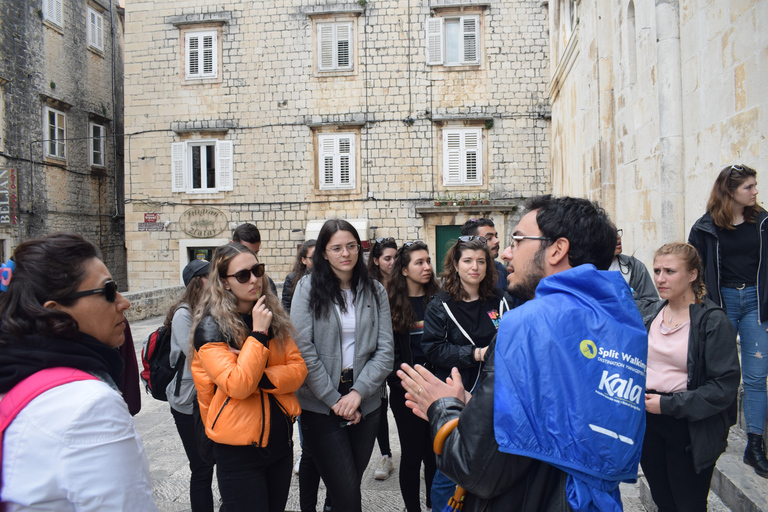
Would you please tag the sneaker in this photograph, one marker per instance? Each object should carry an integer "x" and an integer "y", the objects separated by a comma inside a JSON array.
[
  {"x": 385, "y": 468},
  {"x": 296, "y": 466}
]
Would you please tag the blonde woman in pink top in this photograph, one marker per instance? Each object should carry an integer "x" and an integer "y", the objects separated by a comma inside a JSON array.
[{"x": 692, "y": 380}]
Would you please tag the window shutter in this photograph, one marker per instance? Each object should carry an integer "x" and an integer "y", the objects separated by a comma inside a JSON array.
[
  {"x": 100, "y": 32},
  {"x": 452, "y": 158},
  {"x": 193, "y": 51},
  {"x": 472, "y": 157},
  {"x": 325, "y": 44},
  {"x": 327, "y": 153},
  {"x": 434, "y": 41},
  {"x": 178, "y": 149},
  {"x": 209, "y": 46},
  {"x": 224, "y": 180},
  {"x": 344, "y": 45},
  {"x": 346, "y": 162},
  {"x": 469, "y": 31}
]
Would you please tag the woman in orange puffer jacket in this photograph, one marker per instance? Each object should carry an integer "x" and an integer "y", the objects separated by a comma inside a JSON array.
[{"x": 246, "y": 368}]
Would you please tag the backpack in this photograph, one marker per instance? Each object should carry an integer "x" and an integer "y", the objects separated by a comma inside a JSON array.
[
  {"x": 158, "y": 370},
  {"x": 31, "y": 387}
]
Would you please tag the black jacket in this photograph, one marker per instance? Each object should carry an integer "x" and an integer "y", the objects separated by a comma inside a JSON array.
[
  {"x": 444, "y": 344},
  {"x": 643, "y": 289},
  {"x": 495, "y": 481},
  {"x": 713, "y": 381},
  {"x": 704, "y": 238}
]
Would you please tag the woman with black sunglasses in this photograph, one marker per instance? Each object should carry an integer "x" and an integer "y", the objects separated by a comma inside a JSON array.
[
  {"x": 246, "y": 368},
  {"x": 412, "y": 286},
  {"x": 60, "y": 308},
  {"x": 732, "y": 239},
  {"x": 460, "y": 323},
  {"x": 345, "y": 335}
]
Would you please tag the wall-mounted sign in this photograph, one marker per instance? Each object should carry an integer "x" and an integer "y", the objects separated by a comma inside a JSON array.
[
  {"x": 151, "y": 226},
  {"x": 150, "y": 217},
  {"x": 203, "y": 222},
  {"x": 8, "y": 197}
]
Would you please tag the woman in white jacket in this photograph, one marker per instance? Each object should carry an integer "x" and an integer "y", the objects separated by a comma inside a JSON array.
[{"x": 75, "y": 446}]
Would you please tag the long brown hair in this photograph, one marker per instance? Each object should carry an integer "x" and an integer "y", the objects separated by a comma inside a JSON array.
[
  {"x": 452, "y": 284},
  {"x": 221, "y": 304},
  {"x": 191, "y": 297},
  {"x": 692, "y": 261},
  {"x": 720, "y": 204},
  {"x": 400, "y": 305}
]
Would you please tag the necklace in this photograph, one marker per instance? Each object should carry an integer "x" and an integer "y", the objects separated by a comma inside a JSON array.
[{"x": 669, "y": 322}]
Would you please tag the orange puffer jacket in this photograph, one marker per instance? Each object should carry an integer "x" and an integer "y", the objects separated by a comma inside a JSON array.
[{"x": 232, "y": 388}]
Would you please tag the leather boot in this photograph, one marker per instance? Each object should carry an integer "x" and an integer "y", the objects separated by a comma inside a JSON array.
[{"x": 754, "y": 455}]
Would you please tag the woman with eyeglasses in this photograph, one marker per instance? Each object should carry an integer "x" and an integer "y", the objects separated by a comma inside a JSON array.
[
  {"x": 460, "y": 323},
  {"x": 345, "y": 335},
  {"x": 635, "y": 274},
  {"x": 301, "y": 267},
  {"x": 732, "y": 239},
  {"x": 380, "y": 263},
  {"x": 60, "y": 308},
  {"x": 247, "y": 369},
  {"x": 412, "y": 286}
]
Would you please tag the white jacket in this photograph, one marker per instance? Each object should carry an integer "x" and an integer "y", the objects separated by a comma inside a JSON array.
[{"x": 75, "y": 448}]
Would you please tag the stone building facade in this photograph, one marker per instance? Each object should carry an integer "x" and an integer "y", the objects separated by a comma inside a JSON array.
[
  {"x": 61, "y": 155},
  {"x": 650, "y": 100},
  {"x": 396, "y": 114}
]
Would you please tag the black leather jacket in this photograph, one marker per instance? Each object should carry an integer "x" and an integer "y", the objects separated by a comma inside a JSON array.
[
  {"x": 495, "y": 481},
  {"x": 713, "y": 381},
  {"x": 704, "y": 238}
]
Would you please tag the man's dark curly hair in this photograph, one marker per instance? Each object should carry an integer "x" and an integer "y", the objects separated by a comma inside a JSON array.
[{"x": 583, "y": 223}]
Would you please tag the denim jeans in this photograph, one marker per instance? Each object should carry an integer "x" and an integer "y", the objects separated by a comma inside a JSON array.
[
  {"x": 741, "y": 308},
  {"x": 442, "y": 490},
  {"x": 200, "y": 493},
  {"x": 340, "y": 453}
]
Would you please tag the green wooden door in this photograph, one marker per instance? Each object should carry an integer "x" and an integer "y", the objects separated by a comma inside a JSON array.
[{"x": 446, "y": 237}]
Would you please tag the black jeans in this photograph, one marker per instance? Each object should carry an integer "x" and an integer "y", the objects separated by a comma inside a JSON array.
[
  {"x": 341, "y": 454},
  {"x": 415, "y": 448},
  {"x": 253, "y": 479},
  {"x": 668, "y": 465},
  {"x": 382, "y": 436},
  {"x": 200, "y": 493}
]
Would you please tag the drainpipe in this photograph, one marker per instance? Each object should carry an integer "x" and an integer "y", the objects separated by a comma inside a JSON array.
[{"x": 671, "y": 186}]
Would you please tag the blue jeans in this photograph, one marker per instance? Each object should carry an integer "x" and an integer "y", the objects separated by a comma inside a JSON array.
[
  {"x": 741, "y": 308},
  {"x": 442, "y": 490}
]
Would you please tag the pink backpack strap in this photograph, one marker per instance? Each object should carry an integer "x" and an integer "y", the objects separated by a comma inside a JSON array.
[{"x": 30, "y": 388}]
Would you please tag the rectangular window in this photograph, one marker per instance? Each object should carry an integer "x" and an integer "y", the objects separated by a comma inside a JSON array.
[
  {"x": 334, "y": 46},
  {"x": 97, "y": 145},
  {"x": 453, "y": 41},
  {"x": 462, "y": 156},
  {"x": 202, "y": 53},
  {"x": 53, "y": 12},
  {"x": 55, "y": 129},
  {"x": 95, "y": 29},
  {"x": 336, "y": 161},
  {"x": 201, "y": 166}
]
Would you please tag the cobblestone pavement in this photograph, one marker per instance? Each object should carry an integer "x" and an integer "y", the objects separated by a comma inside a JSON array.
[{"x": 170, "y": 472}]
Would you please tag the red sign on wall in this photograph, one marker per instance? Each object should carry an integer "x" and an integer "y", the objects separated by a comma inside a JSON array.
[{"x": 150, "y": 217}]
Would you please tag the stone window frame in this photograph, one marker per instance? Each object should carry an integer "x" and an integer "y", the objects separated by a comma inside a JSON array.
[
  {"x": 334, "y": 47},
  {"x": 435, "y": 37},
  {"x": 97, "y": 145},
  {"x": 95, "y": 29},
  {"x": 334, "y": 14},
  {"x": 182, "y": 168},
  {"x": 328, "y": 145},
  {"x": 59, "y": 143},
  {"x": 53, "y": 13},
  {"x": 201, "y": 33},
  {"x": 448, "y": 137}
]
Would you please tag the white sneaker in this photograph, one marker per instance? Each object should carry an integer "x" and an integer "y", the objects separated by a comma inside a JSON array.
[
  {"x": 385, "y": 468},
  {"x": 296, "y": 466}
]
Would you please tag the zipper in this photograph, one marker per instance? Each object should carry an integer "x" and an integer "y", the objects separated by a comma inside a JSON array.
[
  {"x": 719, "y": 293},
  {"x": 220, "y": 411},
  {"x": 759, "y": 264},
  {"x": 263, "y": 421}
]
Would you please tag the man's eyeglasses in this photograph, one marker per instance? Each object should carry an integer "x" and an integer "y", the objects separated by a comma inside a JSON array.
[
  {"x": 243, "y": 276},
  {"x": 469, "y": 238},
  {"x": 516, "y": 239},
  {"x": 385, "y": 240},
  {"x": 352, "y": 248},
  {"x": 109, "y": 290}
]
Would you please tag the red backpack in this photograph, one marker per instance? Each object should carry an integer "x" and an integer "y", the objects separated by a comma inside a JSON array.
[{"x": 158, "y": 370}]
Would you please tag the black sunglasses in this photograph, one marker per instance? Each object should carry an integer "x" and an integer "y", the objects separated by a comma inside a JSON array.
[
  {"x": 385, "y": 240},
  {"x": 469, "y": 238},
  {"x": 243, "y": 276},
  {"x": 109, "y": 290}
]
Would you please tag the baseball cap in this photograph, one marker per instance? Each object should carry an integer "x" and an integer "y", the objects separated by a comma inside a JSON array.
[{"x": 195, "y": 268}]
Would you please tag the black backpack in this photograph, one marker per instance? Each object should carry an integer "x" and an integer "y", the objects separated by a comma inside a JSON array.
[{"x": 158, "y": 371}]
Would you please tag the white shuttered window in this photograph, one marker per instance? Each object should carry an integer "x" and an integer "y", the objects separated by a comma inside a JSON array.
[
  {"x": 462, "y": 156},
  {"x": 53, "y": 12},
  {"x": 97, "y": 145},
  {"x": 336, "y": 161},
  {"x": 203, "y": 166},
  {"x": 202, "y": 55},
  {"x": 95, "y": 29},
  {"x": 55, "y": 130},
  {"x": 453, "y": 41},
  {"x": 334, "y": 46}
]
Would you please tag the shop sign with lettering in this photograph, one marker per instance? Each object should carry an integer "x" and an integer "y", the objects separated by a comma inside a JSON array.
[
  {"x": 8, "y": 197},
  {"x": 203, "y": 222}
]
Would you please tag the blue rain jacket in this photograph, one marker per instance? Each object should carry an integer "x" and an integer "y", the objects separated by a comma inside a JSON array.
[{"x": 570, "y": 383}]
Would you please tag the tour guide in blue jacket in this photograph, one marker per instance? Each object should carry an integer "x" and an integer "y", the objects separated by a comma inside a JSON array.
[{"x": 558, "y": 418}]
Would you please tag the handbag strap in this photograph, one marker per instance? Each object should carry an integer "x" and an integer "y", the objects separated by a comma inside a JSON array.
[{"x": 450, "y": 314}]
